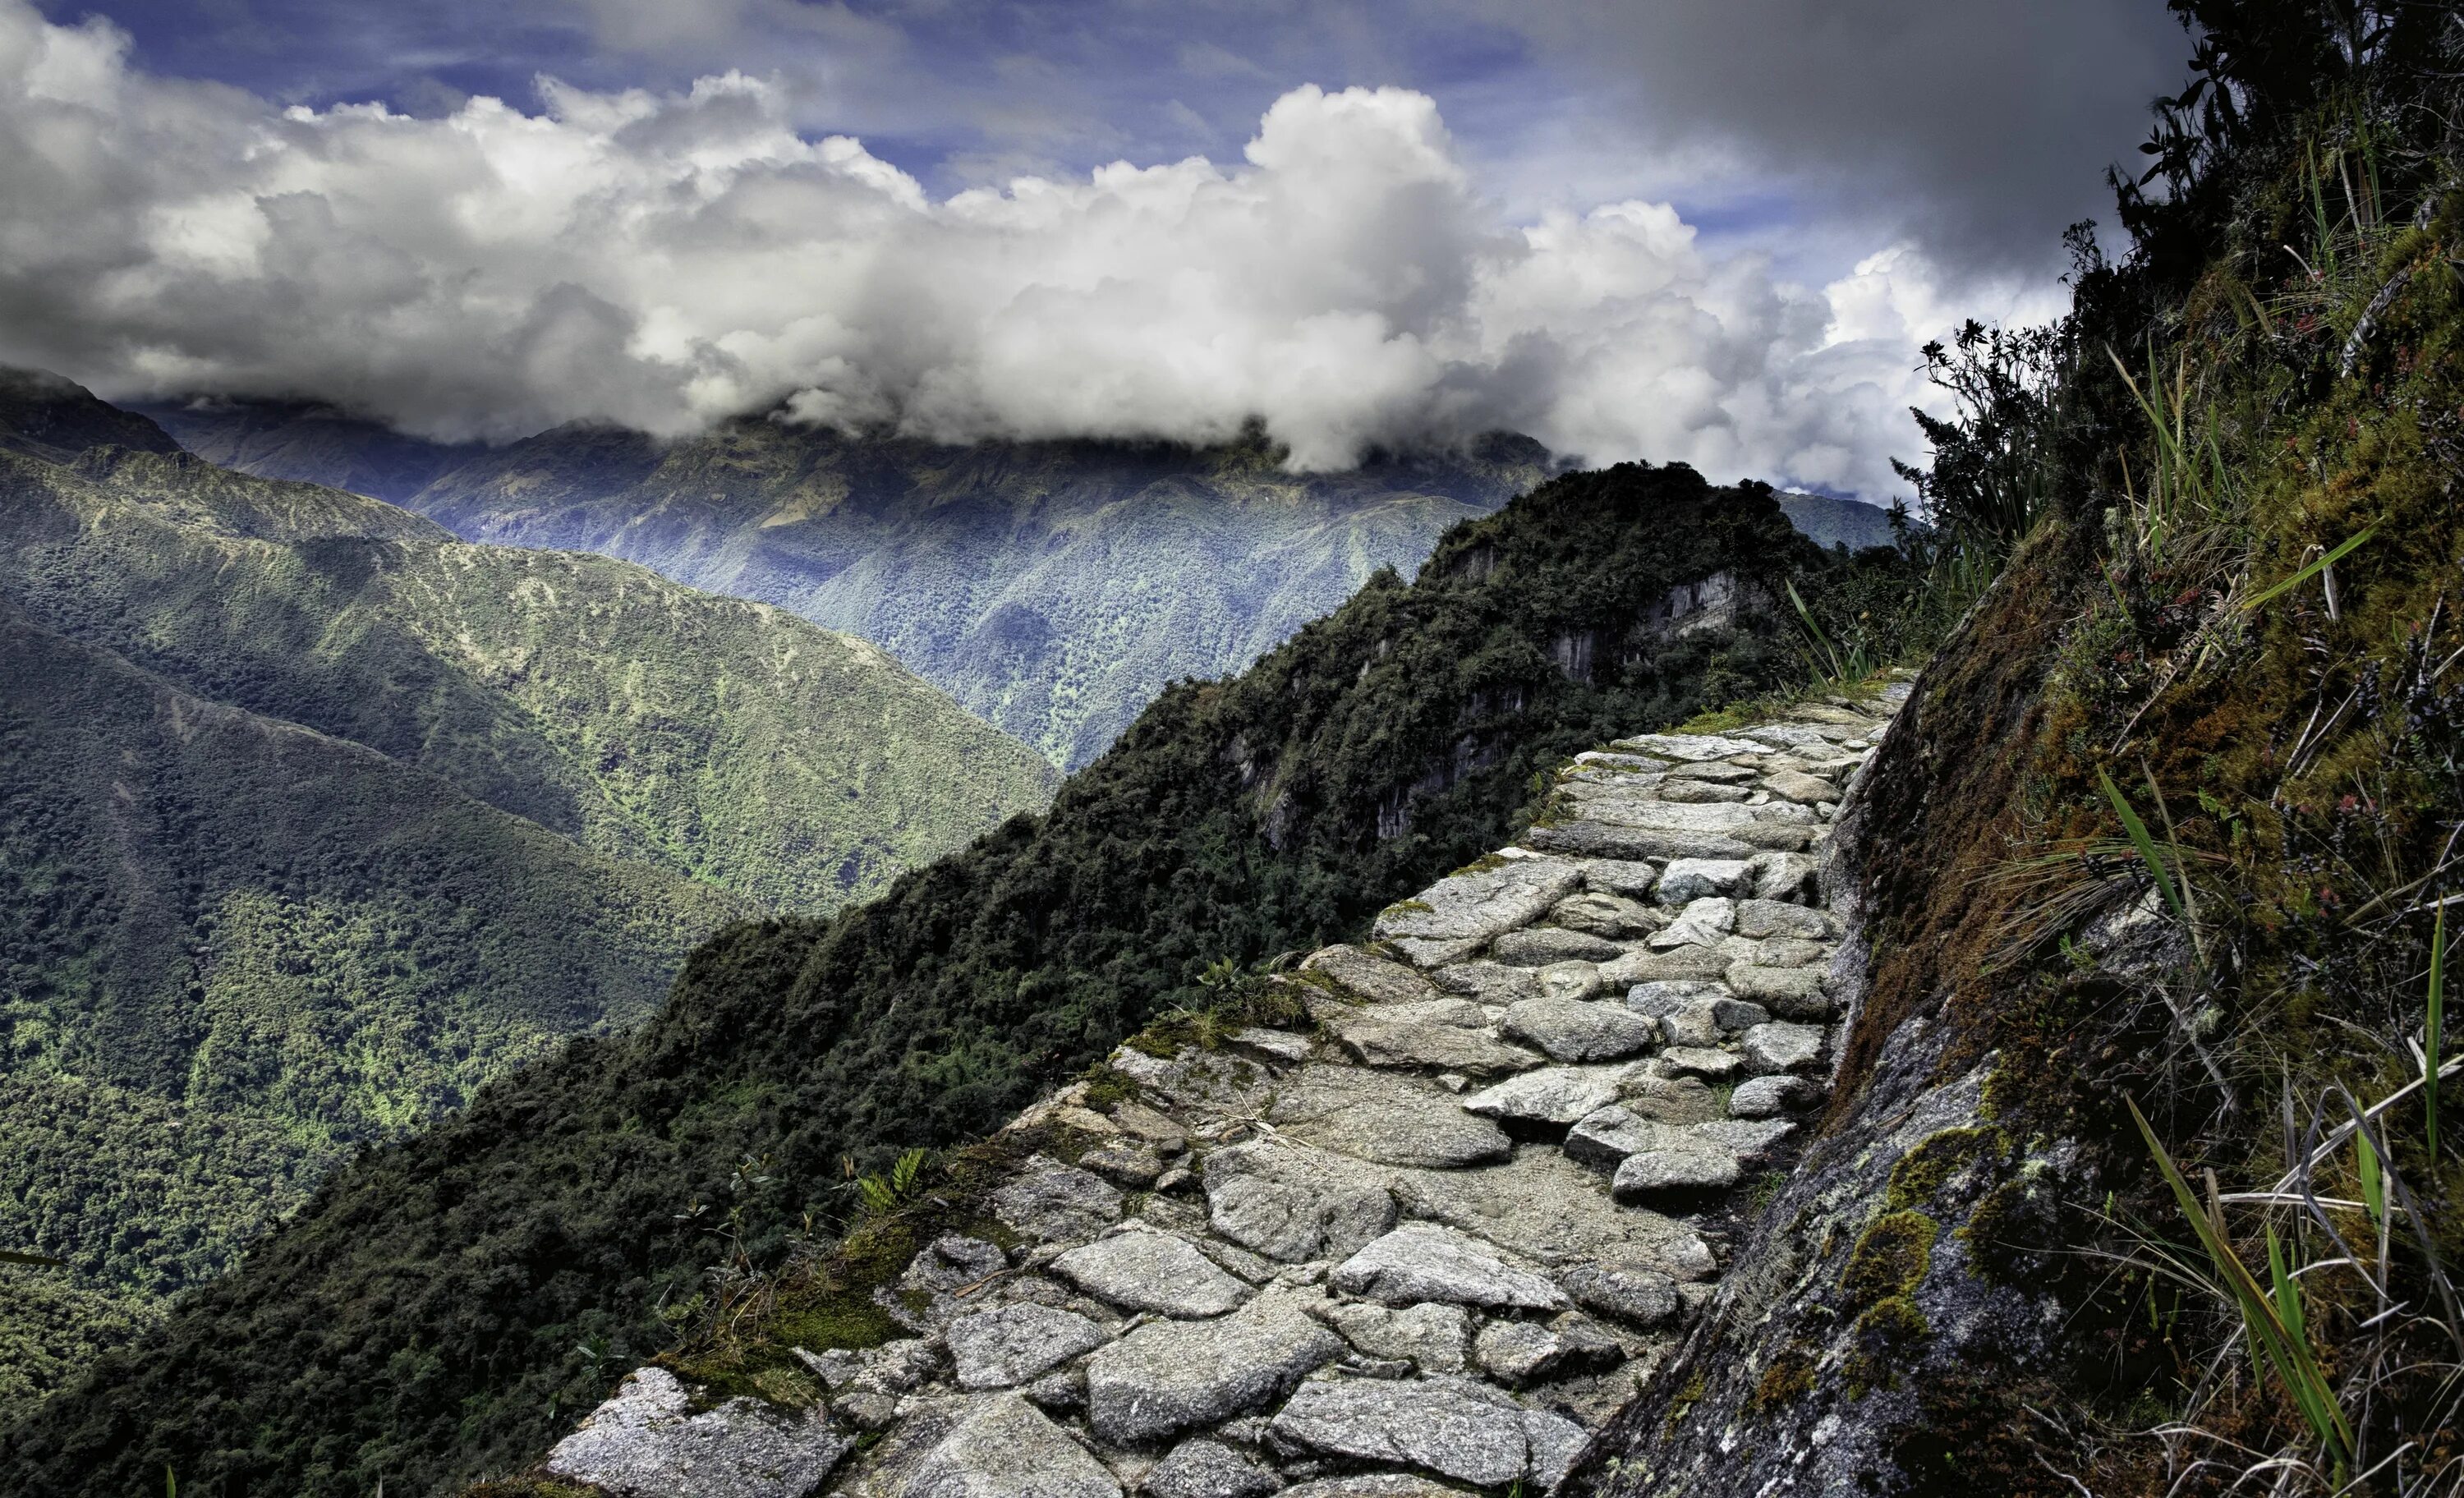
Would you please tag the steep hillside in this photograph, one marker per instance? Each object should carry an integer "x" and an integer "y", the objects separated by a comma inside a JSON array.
[
  {"x": 49, "y": 417},
  {"x": 420, "y": 1320},
  {"x": 2142, "y": 1173},
  {"x": 720, "y": 739},
  {"x": 232, "y": 951},
  {"x": 309, "y": 443}
]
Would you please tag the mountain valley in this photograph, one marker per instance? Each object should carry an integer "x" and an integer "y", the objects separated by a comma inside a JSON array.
[{"x": 317, "y": 818}]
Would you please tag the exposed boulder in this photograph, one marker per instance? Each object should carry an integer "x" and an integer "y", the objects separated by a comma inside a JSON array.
[
  {"x": 1005, "y": 1448},
  {"x": 1170, "y": 1376},
  {"x": 645, "y": 1443}
]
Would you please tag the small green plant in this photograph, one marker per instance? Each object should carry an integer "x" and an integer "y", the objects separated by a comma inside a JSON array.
[
  {"x": 2272, "y": 1315},
  {"x": 1832, "y": 667},
  {"x": 2167, "y": 882},
  {"x": 883, "y": 1194}
]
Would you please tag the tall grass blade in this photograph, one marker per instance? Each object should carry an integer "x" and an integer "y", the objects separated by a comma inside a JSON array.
[
  {"x": 2288, "y": 1291},
  {"x": 2290, "y": 1357},
  {"x": 2431, "y": 1035},
  {"x": 2146, "y": 844},
  {"x": 2366, "y": 1164},
  {"x": 2312, "y": 570}
]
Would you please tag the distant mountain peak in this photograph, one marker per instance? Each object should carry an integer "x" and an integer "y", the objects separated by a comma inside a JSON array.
[{"x": 54, "y": 417}]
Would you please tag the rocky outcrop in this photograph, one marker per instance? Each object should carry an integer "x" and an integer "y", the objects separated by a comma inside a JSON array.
[{"x": 1432, "y": 1233}]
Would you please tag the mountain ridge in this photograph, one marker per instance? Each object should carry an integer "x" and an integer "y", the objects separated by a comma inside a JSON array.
[{"x": 1051, "y": 587}]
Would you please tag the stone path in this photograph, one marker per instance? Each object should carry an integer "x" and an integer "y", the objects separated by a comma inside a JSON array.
[{"x": 1428, "y": 1238}]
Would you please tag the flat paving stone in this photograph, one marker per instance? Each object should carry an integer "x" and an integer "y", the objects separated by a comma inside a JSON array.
[
  {"x": 1383, "y": 1118},
  {"x": 1006, "y": 1448},
  {"x": 1452, "y": 1427},
  {"x": 1468, "y": 908},
  {"x": 1484, "y": 982},
  {"x": 647, "y": 1440},
  {"x": 1421, "y": 1261},
  {"x": 1368, "y": 977},
  {"x": 1556, "y": 1096},
  {"x": 1689, "y": 879},
  {"x": 1170, "y": 1376},
  {"x": 1575, "y": 1030},
  {"x": 1795, "y": 992},
  {"x": 1541, "y": 945},
  {"x": 1434, "y": 1338},
  {"x": 1057, "y": 1202},
  {"x": 1017, "y": 1344},
  {"x": 1660, "y": 1175},
  {"x": 1760, "y": 917},
  {"x": 1143, "y": 1269},
  {"x": 1379, "y": 1037},
  {"x": 1293, "y": 1204}
]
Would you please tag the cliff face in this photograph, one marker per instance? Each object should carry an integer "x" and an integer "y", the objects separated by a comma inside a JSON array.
[{"x": 2134, "y": 1178}]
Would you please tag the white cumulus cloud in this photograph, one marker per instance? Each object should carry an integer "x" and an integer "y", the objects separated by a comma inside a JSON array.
[{"x": 666, "y": 259}]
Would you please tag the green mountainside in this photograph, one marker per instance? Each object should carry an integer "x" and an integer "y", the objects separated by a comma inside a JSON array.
[
  {"x": 720, "y": 739},
  {"x": 1831, "y": 521},
  {"x": 234, "y": 950},
  {"x": 313, "y": 818},
  {"x": 427, "y": 1317},
  {"x": 1052, "y": 587}
]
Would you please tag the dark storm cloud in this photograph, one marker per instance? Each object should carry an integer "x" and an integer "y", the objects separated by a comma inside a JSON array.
[{"x": 1978, "y": 128}]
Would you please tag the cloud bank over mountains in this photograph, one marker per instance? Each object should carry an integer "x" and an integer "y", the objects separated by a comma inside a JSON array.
[{"x": 666, "y": 259}]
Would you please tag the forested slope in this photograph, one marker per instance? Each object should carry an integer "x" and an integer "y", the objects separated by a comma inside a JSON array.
[
  {"x": 420, "y": 1321},
  {"x": 721, "y": 740},
  {"x": 232, "y": 951}
]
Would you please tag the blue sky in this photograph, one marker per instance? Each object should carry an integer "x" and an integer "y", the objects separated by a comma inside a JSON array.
[
  {"x": 1551, "y": 104},
  {"x": 1709, "y": 230}
]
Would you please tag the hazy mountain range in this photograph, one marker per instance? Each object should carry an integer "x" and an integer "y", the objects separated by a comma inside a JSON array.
[{"x": 1053, "y": 587}]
